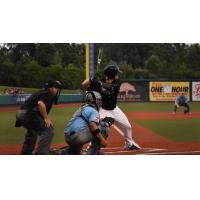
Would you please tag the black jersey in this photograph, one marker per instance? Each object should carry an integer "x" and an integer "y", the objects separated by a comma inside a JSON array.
[
  {"x": 34, "y": 119},
  {"x": 43, "y": 95},
  {"x": 109, "y": 93}
]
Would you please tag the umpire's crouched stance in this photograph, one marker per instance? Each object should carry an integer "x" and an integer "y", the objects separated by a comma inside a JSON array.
[{"x": 33, "y": 115}]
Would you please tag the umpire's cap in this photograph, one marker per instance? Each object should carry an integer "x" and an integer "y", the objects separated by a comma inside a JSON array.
[
  {"x": 53, "y": 83},
  {"x": 111, "y": 71}
]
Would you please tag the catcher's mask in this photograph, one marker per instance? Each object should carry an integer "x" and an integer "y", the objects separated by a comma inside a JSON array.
[
  {"x": 111, "y": 71},
  {"x": 93, "y": 98},
  {"x": 54, "y": 84}
]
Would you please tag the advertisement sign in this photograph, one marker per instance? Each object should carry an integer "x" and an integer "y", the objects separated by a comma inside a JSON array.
[
  {"x": 133, "y": 91},
  {"x": 195, "y": 91},
  {"x": 20, "y": 99},
  {"x": 168, "y": 91}
]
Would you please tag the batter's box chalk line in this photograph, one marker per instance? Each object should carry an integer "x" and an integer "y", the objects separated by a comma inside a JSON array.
[{"x": 173, "y": 153}]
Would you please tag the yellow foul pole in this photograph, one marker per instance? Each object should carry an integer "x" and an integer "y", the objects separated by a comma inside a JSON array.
[{"x": 87, "y": 63}]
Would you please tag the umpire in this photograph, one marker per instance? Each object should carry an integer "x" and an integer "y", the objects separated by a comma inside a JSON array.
[{"x": 33, "y": 115}]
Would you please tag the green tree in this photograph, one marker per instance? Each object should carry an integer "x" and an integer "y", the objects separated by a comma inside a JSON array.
[
  {"x": 22, "y": 52},
  {"x": 193, "y": 57},
  {"x": 73, "y": 76},
  {"x": 153, "y": 64},
  {"x": 140, "y": 73},
  {"x": 57, "y": 58},
  {"x": 182, "y": 72},
  {"x": 33, "y": 76},
  {"x": 54, "y": 72},
  {"x": 127, "y": 70},
  {"x": 45, "y": 54}
]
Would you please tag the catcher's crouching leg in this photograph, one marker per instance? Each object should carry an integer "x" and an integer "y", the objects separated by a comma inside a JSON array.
[{"x": 94, "y": 147}]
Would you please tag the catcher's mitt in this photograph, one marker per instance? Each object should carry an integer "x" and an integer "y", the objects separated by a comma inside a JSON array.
[
  {"x": 109, "y": 120},
  {"x": 105, "y": 125}
]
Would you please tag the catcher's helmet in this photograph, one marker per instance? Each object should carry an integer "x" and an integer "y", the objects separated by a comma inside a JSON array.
[
  {"x": 53, "y": 83},
  {"x": 111, "y": 71},
  {"x": 93, "y": 98}
]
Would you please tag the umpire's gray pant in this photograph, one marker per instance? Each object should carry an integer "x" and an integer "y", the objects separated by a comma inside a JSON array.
[
  {"x": 77, "y": 140},
  {"x": 45, "y": 140},
  {"x": 44, "y": 143}
]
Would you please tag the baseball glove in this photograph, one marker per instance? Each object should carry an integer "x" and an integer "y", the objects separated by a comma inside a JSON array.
[{"x": 105, "y": 125}]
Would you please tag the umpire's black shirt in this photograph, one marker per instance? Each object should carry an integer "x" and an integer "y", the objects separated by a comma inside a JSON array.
[
  {"x": 35, "y": 118},
  {"x": 43, "y": 95},
  {"x": 108, "y": 93}
]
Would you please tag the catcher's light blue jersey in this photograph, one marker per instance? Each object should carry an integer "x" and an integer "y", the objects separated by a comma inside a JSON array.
[{"x": 81, "y": 118}]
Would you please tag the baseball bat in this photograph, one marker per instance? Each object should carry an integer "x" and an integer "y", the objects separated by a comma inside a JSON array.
[
  {"x": 99, "y": 58},
  {"x": 120, "y": 132}
]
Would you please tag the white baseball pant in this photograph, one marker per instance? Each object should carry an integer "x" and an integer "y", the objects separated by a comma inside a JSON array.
[{"x": 121, "y": 124}]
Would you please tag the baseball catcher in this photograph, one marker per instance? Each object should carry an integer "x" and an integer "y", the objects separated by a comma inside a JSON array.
[{"x": 85, "y": 125}]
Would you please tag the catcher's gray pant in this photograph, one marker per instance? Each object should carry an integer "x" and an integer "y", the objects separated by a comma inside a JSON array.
[
  {"x": 122, "y": 122},
  {"x": 77, "y": 140},
  {"x": 44, "y": 142}
]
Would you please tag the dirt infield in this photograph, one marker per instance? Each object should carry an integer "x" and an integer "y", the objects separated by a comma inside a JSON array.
[{"x": 151, "y": 142}]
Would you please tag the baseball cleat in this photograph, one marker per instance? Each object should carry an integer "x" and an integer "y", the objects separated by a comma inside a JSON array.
[{"x": 133, "y": 146}]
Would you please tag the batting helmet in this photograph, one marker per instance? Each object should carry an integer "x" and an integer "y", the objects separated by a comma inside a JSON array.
[
  {"x": 93, "y": 98},
  {"x": 53, "y": 83},
  {"x": 111, "y": 71}
]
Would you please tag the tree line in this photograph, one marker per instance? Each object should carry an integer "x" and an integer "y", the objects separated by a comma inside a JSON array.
[{"x": 31, "y": 64}]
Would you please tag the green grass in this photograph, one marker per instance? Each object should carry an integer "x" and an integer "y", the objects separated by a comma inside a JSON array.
[
  {"x": 11, "y": 135},
  {"x": 60, "y": 116},
  {"x": 154, "y": 106},
  {"x": 179, "y": 130}
]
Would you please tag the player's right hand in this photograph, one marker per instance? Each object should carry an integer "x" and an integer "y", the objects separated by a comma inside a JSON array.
[{"x": 48, "y": 123}]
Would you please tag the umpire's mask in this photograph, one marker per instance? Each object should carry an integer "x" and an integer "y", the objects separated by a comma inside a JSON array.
[{"x": 56, "y": 84}]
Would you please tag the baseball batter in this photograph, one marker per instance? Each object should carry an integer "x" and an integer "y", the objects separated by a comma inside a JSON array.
[{"x": 109, "y": 90}]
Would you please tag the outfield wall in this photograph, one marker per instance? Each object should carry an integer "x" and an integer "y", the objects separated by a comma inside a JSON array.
[
  {"x": 20, "y": 99},
  {"x": 130, "y": 91},
  {"x": 168, "y": 91},
  {"x": 195, "y": 91},
  {"x": 134, "y": 91},
  {"x": 158, "y": 91}
]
